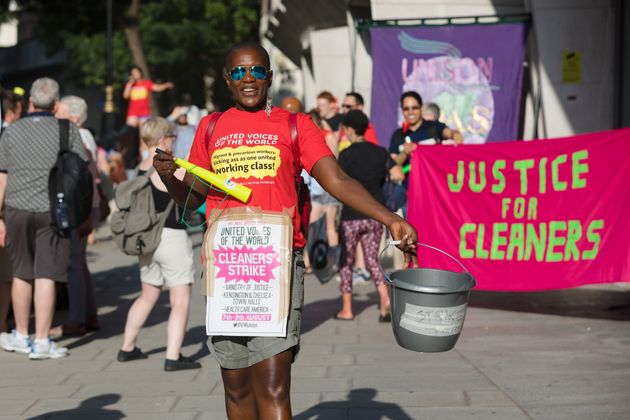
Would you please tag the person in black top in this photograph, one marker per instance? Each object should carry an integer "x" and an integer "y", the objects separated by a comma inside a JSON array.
[
  {"x": 405, "y": 140},
  {"x": 416, "y": 130},
  {"x": 170, "y": 265},
  {"x": 368, "y": 164}
]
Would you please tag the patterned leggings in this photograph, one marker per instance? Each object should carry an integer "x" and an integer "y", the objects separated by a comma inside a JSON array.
[{"x": 369, "y": 232}]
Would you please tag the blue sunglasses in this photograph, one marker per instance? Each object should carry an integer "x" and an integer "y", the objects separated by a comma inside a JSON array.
[{"x": 259, "y": 72}]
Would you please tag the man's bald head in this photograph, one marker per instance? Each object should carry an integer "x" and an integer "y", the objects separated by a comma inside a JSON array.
[
  {"x": 291, "y": 104},
  {"x": 247, "y": 45}
]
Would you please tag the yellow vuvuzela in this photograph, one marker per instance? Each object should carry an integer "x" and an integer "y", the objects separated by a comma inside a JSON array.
[{"x": 226, "y": 185}]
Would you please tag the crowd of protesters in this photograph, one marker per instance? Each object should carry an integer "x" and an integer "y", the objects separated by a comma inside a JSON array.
[{"x": 34, "y": 260}]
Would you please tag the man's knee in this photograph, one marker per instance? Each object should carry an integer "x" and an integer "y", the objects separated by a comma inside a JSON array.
[
  {"x": 276, "y": 392},
  {"x": 237, "y": 392}
]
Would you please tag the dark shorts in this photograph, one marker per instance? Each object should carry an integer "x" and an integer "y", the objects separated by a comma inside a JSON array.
[
  {"x": 6, "y": 274},
  {"x": 242, "y": 352},
  {"x": 36, "y": 251}
]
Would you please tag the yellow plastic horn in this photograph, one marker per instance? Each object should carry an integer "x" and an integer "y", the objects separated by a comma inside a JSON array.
[{"x": 226, "y": 185}]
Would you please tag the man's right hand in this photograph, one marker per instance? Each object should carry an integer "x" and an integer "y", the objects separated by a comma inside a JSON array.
[{"x": 164, "y": 164}]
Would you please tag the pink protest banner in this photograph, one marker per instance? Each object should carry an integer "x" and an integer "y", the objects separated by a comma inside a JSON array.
[{"x": 526, "y": 216}]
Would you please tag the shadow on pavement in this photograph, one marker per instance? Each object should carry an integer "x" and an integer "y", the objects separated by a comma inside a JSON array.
[
  {"x": 195, "y": 335},
  {"x": 116, "y": 289},
  {"x": 91, "y": 408},
  {"x": 316, "y": 313},
  {"x": 361, "y": 402},
  {"x": 580, "y": 302}
]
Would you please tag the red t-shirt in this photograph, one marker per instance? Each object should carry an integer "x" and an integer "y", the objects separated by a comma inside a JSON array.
[
  {"x": 139, "y": 99},
  {"x": 256, "y": 151}
]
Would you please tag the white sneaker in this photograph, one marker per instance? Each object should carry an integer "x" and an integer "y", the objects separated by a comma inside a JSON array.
[
  {"x": 47, "y": 350},
  {"x": 10, "y": 342},
  {"x": 360, "y": 276}
]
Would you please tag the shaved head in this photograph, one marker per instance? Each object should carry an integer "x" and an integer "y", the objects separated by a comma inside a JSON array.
[
  {"x": 291, "y": 104},
  {"x": 247, "y": 45}
]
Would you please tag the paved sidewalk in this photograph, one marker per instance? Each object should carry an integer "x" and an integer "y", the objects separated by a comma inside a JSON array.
[{"x": 556, "y": 355}]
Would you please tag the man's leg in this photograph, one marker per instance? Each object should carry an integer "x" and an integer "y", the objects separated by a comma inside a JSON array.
[
  {"x": 21, "y": 295},
  {"x": 5, "y": 301},
  {"x": 331, "y": 224},
  {"x": 45, "y": 296},
  {"x": 271, "y": 380},
  {"x": 76, "y": 282},
  {"x": 240, "y": 402}
]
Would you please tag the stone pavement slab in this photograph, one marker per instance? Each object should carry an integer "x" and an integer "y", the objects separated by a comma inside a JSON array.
[{"x": 552, "y": 355}]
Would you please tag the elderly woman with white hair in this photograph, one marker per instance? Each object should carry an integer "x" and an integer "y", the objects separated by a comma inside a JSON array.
[{"x": 82, "y": 313}]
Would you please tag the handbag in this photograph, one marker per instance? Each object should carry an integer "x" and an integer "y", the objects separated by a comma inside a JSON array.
[{"x": 323, "y": 257}]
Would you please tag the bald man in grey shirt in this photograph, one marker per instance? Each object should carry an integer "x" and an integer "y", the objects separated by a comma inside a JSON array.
[{"x": 28, "y": 151}]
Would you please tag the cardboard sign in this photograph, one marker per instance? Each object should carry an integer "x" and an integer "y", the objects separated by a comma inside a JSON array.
[{"x": 247, "y": 273}]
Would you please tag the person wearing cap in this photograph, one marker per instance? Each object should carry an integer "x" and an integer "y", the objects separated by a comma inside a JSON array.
[{"x": 369, "y": 165}]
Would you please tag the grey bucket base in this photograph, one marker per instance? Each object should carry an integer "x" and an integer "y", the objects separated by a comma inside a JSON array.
[
  {"x": 421, "y": 342},
  {"x": 428, "y": 319}
]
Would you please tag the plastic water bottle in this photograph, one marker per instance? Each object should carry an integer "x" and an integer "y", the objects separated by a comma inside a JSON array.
[{"x": 61, "y": 211}]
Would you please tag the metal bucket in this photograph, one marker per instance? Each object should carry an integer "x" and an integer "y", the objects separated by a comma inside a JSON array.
[{"x": 429, "y": 306}]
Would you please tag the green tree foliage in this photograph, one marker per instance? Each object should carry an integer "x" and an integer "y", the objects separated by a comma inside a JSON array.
[{"x": 183, "y": 40}]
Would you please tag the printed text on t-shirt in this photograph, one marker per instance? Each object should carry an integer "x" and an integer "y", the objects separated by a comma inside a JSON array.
[{"x": 248, "y": 139}]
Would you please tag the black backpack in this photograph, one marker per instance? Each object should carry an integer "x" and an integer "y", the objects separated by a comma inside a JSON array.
[{"x": 70, "y": 186}]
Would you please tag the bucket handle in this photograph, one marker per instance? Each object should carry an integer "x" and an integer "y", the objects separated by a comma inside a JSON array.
[{"x": 389, "y": 243}]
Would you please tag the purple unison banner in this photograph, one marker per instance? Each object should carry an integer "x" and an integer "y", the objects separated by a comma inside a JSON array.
[{"x": 473, "y": 72}]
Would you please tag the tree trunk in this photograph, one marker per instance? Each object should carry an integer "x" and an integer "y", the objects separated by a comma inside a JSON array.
[{"x": 132, "y": 32}]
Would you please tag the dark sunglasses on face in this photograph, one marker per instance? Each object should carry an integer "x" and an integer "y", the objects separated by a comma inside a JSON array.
[
  {"x": 410, "y": 108},
  {"x": 259, "y": 72},
  {"x": 347, "y": 106}
]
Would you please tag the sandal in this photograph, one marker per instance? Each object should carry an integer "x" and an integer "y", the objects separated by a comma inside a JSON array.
[{"x": 339, "y": 318}]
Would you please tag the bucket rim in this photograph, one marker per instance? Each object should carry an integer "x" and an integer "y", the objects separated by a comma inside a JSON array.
[{"x": 468, "y": 282}]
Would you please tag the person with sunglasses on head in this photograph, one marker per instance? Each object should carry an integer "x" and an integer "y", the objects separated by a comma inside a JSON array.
[{"x": 256, "y": 371}]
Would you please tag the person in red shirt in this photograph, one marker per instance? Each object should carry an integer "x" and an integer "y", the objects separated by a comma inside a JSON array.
[
  {"x": 138, "y": 92},
  {"x": 354, "y": 100},
  {"x": 256, "y": 371}
]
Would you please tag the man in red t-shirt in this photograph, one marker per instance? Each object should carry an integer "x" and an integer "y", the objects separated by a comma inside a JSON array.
[
  {"x": 251, "y": 144},
  {"x": 354, "y": 100},
  {"x": 138, "y": 91}
]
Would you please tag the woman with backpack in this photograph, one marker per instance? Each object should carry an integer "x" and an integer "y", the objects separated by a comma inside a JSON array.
[
  {"x": 256, "y": 370},
  {"x": 170, "y": 265}
]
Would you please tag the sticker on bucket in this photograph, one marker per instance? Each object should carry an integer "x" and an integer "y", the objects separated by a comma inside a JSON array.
[{"x": 432, "y": 321}]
